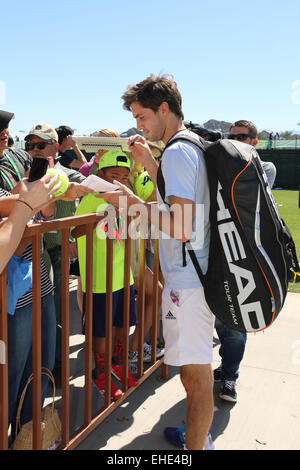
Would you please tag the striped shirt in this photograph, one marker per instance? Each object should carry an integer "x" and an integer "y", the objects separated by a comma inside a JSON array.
[
  {"x": 14, "y": 163},
  {"x": 46, "y": 285}
]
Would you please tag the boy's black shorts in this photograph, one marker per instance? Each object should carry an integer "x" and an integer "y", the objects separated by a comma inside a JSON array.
[{"x": 99, "y": 302}]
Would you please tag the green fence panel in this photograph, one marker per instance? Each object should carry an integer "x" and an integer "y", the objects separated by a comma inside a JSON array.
[{"x": 287, "y": 162}]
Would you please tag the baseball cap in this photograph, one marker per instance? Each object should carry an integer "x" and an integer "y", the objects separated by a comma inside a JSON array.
[
  {"x": 113, "y": 158},
  {"x": 44, "y": 131},
  {"x": 5, "y": 119}
]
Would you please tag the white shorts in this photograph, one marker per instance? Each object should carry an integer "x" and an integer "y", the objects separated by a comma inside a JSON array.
[{"x": 188, "y": 326}]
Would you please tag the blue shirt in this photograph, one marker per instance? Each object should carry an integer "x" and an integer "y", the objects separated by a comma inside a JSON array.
[{"x": 184, "y": 172}]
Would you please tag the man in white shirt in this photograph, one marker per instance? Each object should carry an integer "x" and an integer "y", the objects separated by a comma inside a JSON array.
[{"x": 188, "y": 322}]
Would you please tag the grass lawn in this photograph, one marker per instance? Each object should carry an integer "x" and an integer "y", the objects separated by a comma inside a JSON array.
[{"x": 287, "y": 203}]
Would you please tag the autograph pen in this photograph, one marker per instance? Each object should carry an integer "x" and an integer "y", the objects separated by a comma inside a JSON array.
[{"x": 135, "y": 140}]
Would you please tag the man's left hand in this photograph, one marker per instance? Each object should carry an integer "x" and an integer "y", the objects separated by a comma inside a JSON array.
[{"x": 74, "y": 191}]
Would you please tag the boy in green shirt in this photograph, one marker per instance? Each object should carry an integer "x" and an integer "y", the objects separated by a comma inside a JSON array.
[{"x": 113, "y": 165}]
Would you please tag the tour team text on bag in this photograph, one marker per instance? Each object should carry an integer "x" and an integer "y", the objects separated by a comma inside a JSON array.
[{"x": 251, "y": 250}]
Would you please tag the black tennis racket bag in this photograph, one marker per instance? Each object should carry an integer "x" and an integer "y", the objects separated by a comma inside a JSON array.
[{"x": 251, "y": 249}]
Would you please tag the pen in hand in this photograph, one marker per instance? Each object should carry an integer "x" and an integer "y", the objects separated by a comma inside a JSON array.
[{"x": 135, "y": 140}]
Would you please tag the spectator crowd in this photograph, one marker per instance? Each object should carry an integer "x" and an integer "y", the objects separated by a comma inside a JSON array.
[{"x": 23, "y": 201}]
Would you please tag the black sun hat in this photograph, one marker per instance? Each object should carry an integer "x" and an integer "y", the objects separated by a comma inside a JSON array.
[{"x": 5, "y": 119}]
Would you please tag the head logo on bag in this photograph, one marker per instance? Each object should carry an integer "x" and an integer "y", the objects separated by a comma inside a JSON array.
[
  {"x": 234, "y": 251},
  {"x": 251, "y": 250}
]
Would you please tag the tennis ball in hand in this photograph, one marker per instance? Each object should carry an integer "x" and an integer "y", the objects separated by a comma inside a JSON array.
[
  {"x": 61, "y": 177},
  {"x": 143, "y": 186}
]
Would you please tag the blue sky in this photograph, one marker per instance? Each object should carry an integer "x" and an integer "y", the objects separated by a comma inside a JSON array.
[{"x": 68, "y": 62}]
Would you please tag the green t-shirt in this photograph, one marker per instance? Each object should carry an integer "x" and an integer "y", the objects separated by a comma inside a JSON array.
[{"x": 91, "y": 205}]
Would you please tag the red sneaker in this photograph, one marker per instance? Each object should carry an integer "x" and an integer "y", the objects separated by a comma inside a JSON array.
[
  {"x": 116, "y": 393},
  {"x": 118, "y": 351},
  {"x": 117, "y": 371}
]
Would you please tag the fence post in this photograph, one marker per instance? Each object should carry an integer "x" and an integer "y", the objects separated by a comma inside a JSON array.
[
  {"x": 88, "y": 325},
  {"x": 141, "y": 305},
  {"x": 108, "y": 319},
  {"x": 3, "y": 366},
  {"x": 36, "y": 341},
  {"x": 65, "y": 317},
  {"x": 126, "y": 308}
]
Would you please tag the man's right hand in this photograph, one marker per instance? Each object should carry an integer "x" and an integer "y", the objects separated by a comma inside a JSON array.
[
  {"x": 140, "y": 149},
  {"x": 142, "y": 154}
]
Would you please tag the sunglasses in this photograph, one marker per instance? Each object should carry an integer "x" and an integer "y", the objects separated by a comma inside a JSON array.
[
  {"x": 240, "y": 137},
  {"x": 39, "y": 145}
]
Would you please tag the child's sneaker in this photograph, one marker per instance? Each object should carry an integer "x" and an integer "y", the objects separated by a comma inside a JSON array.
[
  {"x": 133, "y": 368},
  {"x": 118, "y": 351},
  {"x": 117, "y": 371},
  {"x": 176, "y": 436},
  {"x": 133, "y": 356},
  {"x": 147, "y": 351},
  {"x": 116, "y": 393}
]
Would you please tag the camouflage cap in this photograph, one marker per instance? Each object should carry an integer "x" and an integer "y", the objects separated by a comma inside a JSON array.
[{"x": 44, "y": 131}]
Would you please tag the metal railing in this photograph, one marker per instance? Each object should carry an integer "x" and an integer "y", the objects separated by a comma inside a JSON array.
[{"x": 90, "y": 422}]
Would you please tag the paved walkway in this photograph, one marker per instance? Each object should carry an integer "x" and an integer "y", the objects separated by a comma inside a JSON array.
[{"x": 266, "y": 416}]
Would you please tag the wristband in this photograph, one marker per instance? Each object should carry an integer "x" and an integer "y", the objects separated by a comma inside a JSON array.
[
  {"x": 40, "y": 218},
  {"x": 26, "y": 203}
]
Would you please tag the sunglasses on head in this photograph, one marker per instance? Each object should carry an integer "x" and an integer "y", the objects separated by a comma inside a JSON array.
[
  {"x": 39, "y": 145},
  {"x": 240, "y": 137}
]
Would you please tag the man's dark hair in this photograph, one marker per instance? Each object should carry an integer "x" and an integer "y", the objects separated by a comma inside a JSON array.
[
  {"x": 250, "y": 126},
  {"x": 63, "y": 132},
  {"x": 152, "y": 92}
]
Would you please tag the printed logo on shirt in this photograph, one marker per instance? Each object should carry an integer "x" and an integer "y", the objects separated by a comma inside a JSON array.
[{"x": 170, "y": 316}]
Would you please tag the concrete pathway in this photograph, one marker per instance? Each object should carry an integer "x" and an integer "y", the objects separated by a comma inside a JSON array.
[{"x": 266, "y": 415}]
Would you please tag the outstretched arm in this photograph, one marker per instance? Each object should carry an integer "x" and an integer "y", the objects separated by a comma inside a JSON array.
[
  {"x": 26, "y": 204},
  {"x": 177, "y": 223}
]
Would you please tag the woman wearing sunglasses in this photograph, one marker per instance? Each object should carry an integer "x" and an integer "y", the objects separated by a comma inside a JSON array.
[{"x": 14, "y": 163}]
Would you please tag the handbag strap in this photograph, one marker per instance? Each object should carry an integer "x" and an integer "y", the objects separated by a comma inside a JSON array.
[{"x": 49, "y": 374}]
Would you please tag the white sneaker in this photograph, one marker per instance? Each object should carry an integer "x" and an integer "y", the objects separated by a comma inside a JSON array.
[
  {"x": 209, "y": 443},
  {"x": 56, "y": 444}
]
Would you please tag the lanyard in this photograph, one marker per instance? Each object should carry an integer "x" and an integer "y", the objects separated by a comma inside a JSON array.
[{"x": 16, "y": 170}]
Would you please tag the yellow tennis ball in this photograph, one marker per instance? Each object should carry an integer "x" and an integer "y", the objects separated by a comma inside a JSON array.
[
  {"x": 143, "y": 186},
  {"x": 61, "y": 177}
]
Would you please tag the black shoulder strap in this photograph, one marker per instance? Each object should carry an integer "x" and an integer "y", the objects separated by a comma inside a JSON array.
[
  {"x": 201, "y": 144},
  {"x": 160, "y": 183}
]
